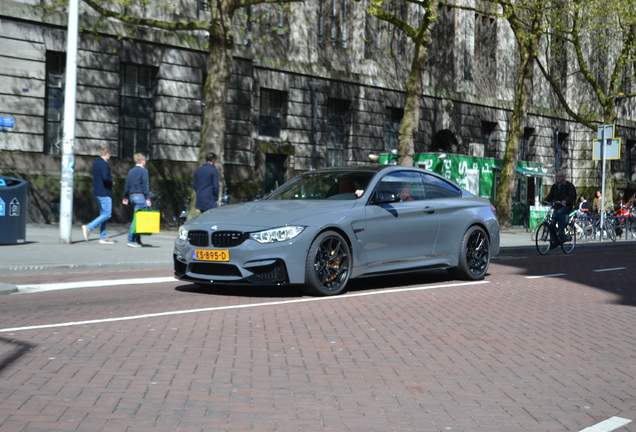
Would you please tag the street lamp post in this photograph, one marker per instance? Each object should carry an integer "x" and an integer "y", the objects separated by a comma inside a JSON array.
[{"x": 68, "y": 141}]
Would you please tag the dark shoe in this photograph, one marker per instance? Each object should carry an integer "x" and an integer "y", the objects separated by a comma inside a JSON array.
[{"x": 554, "y": 245}]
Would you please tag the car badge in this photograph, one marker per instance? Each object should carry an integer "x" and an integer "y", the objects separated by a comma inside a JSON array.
[{"x": 214, "y": 228}]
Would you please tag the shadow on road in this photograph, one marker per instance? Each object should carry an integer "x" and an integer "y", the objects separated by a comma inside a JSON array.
[{"x": 11, "y": 350}]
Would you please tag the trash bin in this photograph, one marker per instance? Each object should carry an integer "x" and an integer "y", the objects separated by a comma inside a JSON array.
[{"x": 13, "y": 210}]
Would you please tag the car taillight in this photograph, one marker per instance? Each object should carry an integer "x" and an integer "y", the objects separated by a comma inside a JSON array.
[{"x": 493, "y": 209}]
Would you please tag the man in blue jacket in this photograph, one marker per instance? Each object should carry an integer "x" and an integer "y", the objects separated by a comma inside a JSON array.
[
  {"x": 103, "y": 192},
  {"x": 206, "y": 184},
  {"x": 137, "y": 192}
]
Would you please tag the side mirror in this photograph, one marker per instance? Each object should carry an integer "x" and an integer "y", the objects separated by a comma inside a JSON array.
[{"x": 385, "y": 197}]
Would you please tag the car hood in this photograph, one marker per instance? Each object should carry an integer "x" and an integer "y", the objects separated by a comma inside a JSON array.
[{"x": 256, "y": 215}]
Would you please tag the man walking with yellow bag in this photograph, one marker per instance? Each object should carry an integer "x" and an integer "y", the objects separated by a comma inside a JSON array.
[{"x": 137, "y": 192}]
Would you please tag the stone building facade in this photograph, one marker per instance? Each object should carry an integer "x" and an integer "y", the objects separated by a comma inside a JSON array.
[{"x": 314, "y": 84}]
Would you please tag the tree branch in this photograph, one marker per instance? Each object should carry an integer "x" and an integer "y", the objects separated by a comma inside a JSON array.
[{"x": 165, "y": 25}]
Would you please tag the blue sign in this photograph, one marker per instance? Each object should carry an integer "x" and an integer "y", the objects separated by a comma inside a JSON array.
[
  {"x": 7, "y": 122},
  {"x": 2, "y": 210}
]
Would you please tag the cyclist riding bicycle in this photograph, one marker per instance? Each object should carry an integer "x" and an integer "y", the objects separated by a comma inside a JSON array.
[{"x": 564, "y": 193}]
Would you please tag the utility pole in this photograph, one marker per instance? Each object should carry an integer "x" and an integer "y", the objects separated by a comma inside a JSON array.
[{"x": 68, "y": 128}]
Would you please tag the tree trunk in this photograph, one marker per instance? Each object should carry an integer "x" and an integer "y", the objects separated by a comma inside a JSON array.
[
  {"x": 525, "y": 77},
  {"x": 410, "y": 121}
]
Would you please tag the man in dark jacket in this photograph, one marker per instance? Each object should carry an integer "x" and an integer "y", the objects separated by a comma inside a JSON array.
[
  {"x": 206, "y": 184},
  {"x": 562, "y": 192},
  {"x": 103, "y": 192},
  {"x": 137, "y": 192}
]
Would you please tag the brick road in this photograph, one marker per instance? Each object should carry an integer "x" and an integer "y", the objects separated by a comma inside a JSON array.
[{"x": 417, "y": 353}]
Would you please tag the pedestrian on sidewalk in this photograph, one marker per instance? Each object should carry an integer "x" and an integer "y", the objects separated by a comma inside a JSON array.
[
  {"x": 137, "y": 192},
  {"x": 103, "y": 192},
  {"x": 206, "y": 184}
]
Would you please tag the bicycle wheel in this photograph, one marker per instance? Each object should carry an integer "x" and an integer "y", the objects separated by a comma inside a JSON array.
[
  {"x": 533, "y": 233},
  {"x": 632, "y": 229},
  {"x": 569, "y": 242},
  {"x": 584, "y": 230},
  {"x": 610, "y": 230},
  {"x": 542, "y": 239}
]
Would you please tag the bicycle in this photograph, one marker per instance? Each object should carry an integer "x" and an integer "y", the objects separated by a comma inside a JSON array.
[
  {"x": 546, "y": 231},
  {"x": 583, "y": 226},
  {"x": 607, "y": 226}
]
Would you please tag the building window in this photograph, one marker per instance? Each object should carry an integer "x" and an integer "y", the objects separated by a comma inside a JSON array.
[
  {"x": 270, "y": 109},
  {"x": 135, "y": 108},
  {"x": 524, "y": 148},
  {"x": 203, "y": 5},
  {"x": 487, "y": 129},
  {"x": 382, "y": 40},
  {"x": 54, "y": 102},
  {"x": 559, "y": 150},
  {"x": 332, "y": 22},
  {"x": 392, "y": 120},
  {"x": 336, "y": 131},
  {"x": 440, "y": 51},
  {"x": 485, "y": 46}
]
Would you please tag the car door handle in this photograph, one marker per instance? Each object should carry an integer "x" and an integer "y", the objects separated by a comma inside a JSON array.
[{"x": 429, "y": 210}]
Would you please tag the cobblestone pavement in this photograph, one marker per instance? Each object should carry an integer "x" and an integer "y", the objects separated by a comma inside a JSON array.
[{"x": 545, "y": 343}]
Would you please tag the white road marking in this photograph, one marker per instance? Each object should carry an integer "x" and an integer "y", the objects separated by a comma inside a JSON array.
[
  {"x": 607, "y": 425},
  {"x": 245, "y": 306},
  {"x": 91, "y": 284},
  {"x": 609, "y": 269},
  {"x": 546, "y": 276}
]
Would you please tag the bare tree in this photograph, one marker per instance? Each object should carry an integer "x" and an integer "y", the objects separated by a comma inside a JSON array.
[
  {"x": 602, "y": 38},
  {"x": 420, "y": 35},
  {"x": 221, "y": 50}
]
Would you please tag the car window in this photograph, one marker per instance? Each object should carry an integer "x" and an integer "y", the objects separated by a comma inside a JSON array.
[
  {"x": 408, "y": 185},
  {"x": 439, "y": 188},
  {"x": 333, "y": 185}
]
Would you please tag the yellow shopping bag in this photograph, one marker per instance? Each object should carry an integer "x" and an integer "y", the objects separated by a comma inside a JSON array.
[{"x": 146, "y": 221}]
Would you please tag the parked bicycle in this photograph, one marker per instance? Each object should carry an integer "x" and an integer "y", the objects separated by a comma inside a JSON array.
[
  {"x": 583, "y": 225},
  {"x": 605, "y": 227},
  {"x": 547, "y": 231}
]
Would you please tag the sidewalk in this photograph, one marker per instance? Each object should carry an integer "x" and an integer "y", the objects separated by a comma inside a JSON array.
[{"x": 43, "y": 250}]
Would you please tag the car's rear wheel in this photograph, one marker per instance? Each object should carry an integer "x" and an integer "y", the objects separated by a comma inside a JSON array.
[
  {"x": 474, "y": 255},
  {"x": 328, "y": 265}
]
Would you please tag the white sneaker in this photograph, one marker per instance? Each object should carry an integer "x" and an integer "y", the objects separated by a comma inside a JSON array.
[
  {"x": 86, "y": 231},
  {"x": 133, "y": 244},
  {"x": 106, "y": 241}
]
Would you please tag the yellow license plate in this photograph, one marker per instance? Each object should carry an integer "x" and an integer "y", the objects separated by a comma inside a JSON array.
[{"x": 210, "y": 255}]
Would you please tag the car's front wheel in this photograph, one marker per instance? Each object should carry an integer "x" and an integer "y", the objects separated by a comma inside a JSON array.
[
  {"x": 328, "y": 265},
  {"x": 474, "y": 255}
]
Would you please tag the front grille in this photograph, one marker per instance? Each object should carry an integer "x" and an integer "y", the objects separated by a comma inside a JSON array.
[
  {"x": 199, "y": 238},
  {"x": 224, "y": 239},
  {"x": 215, "y": 269}
]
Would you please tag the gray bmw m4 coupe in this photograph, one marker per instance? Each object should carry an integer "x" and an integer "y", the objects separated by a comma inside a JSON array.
[{"x": 325, "y": 227}]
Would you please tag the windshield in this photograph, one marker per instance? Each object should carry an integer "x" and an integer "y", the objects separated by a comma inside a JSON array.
[{"x": 320, "y": 185}]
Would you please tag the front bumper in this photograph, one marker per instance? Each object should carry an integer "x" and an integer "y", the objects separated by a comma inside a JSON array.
[{"x": 266, "y": 272}]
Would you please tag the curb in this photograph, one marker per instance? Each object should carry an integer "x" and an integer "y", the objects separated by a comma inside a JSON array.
[
  {"x": 7, "y": 289},
  {"x": 89, "y": 266}
]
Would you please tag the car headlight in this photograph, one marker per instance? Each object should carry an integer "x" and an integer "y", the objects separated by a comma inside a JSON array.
[
  {"x": 183, "y": 234},
  {"x": 275, "y": 235}
]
